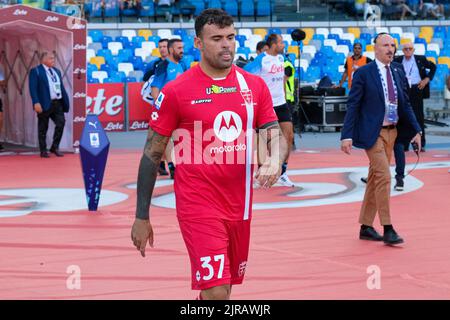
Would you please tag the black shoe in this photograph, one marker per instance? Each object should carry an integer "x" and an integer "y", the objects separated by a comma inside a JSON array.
[
  {"x": 399, "y": 184},
  {"x": 44, "y": 154},
  {"x": 162, "y": 172},
  {"x": 370, "y": 234},
  {"x": 1, "y": 147},
  {"x": 391, "y": 237},
  {"x": 364, "y": 179},
  {"x": 56, "y": 152},
  {"x": 172, "y": 172}
]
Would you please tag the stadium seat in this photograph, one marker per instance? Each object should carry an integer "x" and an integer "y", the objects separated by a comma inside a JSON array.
[
  {"x": 444, "y": 60},
  {"x": 293, "y": 49},
  {"x": 98, "y": 61},
  {"x": 369, "y": 54},
  {"x": 125, "y": 67},
  {"x": 355, "y": 31},
  {"x": 89, "y": 40},
  {"x": 244, "y": 50},
  {"x": 241, "y": 39},
  {"x": 331, "y": 43},
  {"x": 316, "y": 43},
  {"x": 370, "y": 48},
  {"x": 245, "y": 32},
  {"x": 396, "y": 30},
  {"x": 286, "y": 37},
  {"x": 408, "y": 35},
  {"x": 107, "y": 68},
  {"x": 90, "y": 53},
  {"x": 338, "y": 31},
  {"x": 138, "y": 75},
  {"x": 129, "y": 34},
  {"x": 100, "y": 75},
  {"x": 231, "y": 7},
  {"x": 155, "y": 53},
  {"x": 125, "y": 55},
  {"x": 263, "y": 8},
  {"x": 309, "y": 49},
  {"x": 115, "y": 47},
  {"x": 333, "y": 36},
  {"x": 348, "y": 36},
  {"x": 93, "y": 80},
  {"x": 434, "y": 47},
  {"x": 148, "y": 46},
  {"x": 342, "y": 49},
  {"x": 323, "y": 31},
  {"x": 91, "y": 68},
  {"x": 96, "y": 35},
  {"x": 320, "y": 37},
  {"x": 261, "y": 31},
  {"x": 145, "y": 33},
  {"x": 420, "y": 49}
]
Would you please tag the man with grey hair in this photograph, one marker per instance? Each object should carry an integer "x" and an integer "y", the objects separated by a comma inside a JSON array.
[{"x": 50, "y": 101}]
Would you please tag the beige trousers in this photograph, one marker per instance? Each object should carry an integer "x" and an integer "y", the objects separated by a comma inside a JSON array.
[{"x": 378, "y": 189}]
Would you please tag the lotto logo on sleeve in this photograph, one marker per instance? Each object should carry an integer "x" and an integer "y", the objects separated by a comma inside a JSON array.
[{"x": 159, "y": 100}]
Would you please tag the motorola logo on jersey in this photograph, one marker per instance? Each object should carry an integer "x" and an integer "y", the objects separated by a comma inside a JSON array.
[{"x": 227, "y": 126}]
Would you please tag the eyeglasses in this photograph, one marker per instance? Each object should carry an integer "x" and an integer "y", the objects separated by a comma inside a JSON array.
[{"x": 408, "y": 49}]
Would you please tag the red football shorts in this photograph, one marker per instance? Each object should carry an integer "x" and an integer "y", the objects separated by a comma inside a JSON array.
[{"x": 218, "y": 251}]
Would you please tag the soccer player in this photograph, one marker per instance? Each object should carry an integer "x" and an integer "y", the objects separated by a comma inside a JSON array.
[
  {"x": 167, "y": 71},
  {"x": 269, "y": 65},
  {"x": 214, "y": 108}
]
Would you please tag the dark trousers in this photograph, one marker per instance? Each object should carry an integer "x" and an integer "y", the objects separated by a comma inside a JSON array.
[
  {"x": 399, "y": 153},
  {"x": 416, "y": 100},
  {"x": 55, "y": 113}
]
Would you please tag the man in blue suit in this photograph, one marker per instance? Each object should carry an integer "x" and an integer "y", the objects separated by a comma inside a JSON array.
[
  {"x": 50, "y": 101},
  {"x": 377, "y": 99}
]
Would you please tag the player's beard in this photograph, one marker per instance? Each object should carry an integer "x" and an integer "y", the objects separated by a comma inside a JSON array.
[{"x": 218, "y": 62}]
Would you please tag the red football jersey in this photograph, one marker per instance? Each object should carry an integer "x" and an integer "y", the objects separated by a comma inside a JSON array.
[{"x": 212, "y": 122}]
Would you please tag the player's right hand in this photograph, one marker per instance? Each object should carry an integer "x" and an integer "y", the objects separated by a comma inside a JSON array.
[
  {"x": 268, "y": 174},
  {"x": 38, "y": 108},
  {"x": 141, "y": 232}
]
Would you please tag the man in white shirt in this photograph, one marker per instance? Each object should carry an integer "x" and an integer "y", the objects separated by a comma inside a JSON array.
[{"x": 50, "y": 101}]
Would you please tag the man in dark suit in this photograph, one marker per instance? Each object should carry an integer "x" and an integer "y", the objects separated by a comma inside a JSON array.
[
  {"x": 419, "y": 72},
  {"x": 2, "y": 85},
  {"x": 50, "y": 101},
  {"x": 377, "y": 99}
]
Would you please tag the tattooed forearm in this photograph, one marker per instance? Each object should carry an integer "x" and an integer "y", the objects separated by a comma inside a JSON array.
[
  {"x": 148, "y": 169},
  {"x": 273, "y": 141}
]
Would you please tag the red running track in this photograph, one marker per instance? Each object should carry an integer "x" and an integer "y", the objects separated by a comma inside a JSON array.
[{"x": 295, "y": 253}]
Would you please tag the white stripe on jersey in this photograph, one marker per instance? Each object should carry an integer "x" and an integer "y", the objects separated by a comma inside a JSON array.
[{"x": 249, "y": 151}]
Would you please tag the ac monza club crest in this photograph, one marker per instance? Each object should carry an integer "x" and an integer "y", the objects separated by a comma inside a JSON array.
[
  {"x": 247, "y": 96},
  {"x": 227, "y": 126}
]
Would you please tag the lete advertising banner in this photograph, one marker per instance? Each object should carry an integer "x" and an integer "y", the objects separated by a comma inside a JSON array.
[
  {"x": 138, "y": 110},
  {"x": 107, "y": 101}
]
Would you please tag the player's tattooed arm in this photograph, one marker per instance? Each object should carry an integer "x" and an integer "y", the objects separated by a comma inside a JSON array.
[
  {"x": 273, "y": 151},
  {"x": 274, "y": 141},
  {"x": 148, "y": 170}
]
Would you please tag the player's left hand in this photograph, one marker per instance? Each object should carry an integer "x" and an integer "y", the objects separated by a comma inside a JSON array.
[
  {"x": 268, "y": 174},
  {"x": 418, "y": 139},
  {"x": 142, "y": 232}
]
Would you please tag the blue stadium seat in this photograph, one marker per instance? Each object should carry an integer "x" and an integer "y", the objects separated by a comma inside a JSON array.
[
  {"x": 108, "y": 80},
  {"x": 244, "y": 50},
  {"x": 123, "y": 40},
  {"x": 180, "y": 32},
  {"x": 231, "y": 7},
  {"x": 199, "y": 6},
  {"x": 138, "y": 39},
  {"x": 214, "y": 4},
  {"x": 334, "y": 36},
  {"x": 96, "y": 35},
  {"x": 106, "y": 53},
  {"x": 155, "y": 39},
  {"x": 105, "y": 40},
  {"x": 241, "y": 39},
  {"x": 137, "y": 62},
  {"x": 291, "y": 57},
  {"x": 274, "y": 30},
  {"x": 91, "y": 68},
  {"x": 431, "y": 54},
  {"x": 93, "y": 80},
  {"x": 328, "y": 51},
  {"x": 125, "y": 55},
  {"x": 148, "y": 8},
  {"x": 112, "y": 9},
  {"x": 187, "y": 60},
  {"x": 247, "y": 8},
  {"x": 263, "y": 8},
  {"x": 107, "y": 68},
  {"x": 130, "y": 79},
  {"x": 320, "y": 37},
  {"x": 118, "y": 75},
  {"x": 367, "y": 37},
  {"x": 339, "y": 58},
  {"x": 421, "y": 40}
]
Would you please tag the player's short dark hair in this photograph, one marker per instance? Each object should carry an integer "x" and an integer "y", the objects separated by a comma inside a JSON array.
[
  {"x": 163, "y": 40},
  {"x": 217, "y": 17},
  {"x": 260, "y": 45},
  {"x": 272, "y": 39},
  {"x": 172, "y": 42},
  {"x": 357, "y": 44},
  {"x": 379, "y": 35}
]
